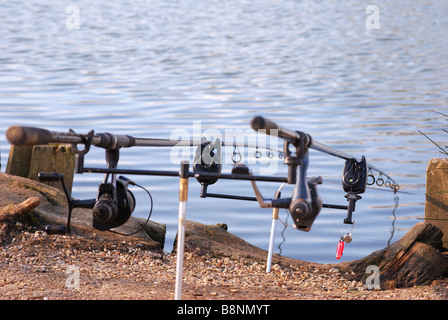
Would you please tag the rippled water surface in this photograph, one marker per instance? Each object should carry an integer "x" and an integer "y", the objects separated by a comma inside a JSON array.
[{"x": 148, "y": 68}]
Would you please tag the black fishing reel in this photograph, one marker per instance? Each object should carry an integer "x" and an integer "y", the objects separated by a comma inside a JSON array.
[
  {"x": 114, "y": 204},
  {"x": 305, "y": 202},
  {"x": 304, "y": 212},
  {"x": 112, "y": 207}
]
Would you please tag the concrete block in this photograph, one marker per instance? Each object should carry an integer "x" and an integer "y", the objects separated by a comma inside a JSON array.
[{"x": 436, "y": 203}]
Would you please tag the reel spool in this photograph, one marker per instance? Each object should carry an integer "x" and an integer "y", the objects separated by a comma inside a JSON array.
[{"x": 114, "y": 205}]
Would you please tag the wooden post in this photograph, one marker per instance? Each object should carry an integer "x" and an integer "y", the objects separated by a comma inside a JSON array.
[
  {"x": 53, "y": 158},
  {"x": 28, "y": 161},
  {"x": 436, "y": 204},
  {"x": 19, "y": 161}
]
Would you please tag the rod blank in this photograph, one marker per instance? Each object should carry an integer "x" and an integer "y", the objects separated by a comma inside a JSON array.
[
  {"x": 20, "y": 135},
  {"x": 259, "y": 123}
]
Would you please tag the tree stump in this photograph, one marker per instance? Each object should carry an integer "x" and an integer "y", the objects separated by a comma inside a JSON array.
[
  {"x": 413, "y": 260},
  {"x": 13, "y": 213}
]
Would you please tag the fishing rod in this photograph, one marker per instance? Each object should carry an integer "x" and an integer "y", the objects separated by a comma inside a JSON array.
[
  {"x": 20, "y": 135},
  {"x": 293, "y": 137},
  {"x": 304, "y": 204}
]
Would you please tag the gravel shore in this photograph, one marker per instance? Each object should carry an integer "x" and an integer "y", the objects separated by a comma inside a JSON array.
[{"x": 35, "y": 265}]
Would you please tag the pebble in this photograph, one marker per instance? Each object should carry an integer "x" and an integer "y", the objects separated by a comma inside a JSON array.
[{"x": 34, "y": 266}]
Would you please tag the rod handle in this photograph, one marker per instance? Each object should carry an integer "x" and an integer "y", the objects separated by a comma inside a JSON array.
[
  {"x": 29, "y": 136},
  {"x": 260, "y": 123}
]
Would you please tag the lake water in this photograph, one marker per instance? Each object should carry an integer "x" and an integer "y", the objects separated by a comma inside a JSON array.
[{"x": 149, "y": 68}]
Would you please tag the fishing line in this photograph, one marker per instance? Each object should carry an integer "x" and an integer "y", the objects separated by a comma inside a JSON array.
[
  {"x": 285, "y": 225},
  {"x": 147, "y": 220},
  {"x": 441, "y": 149},
  {"x": 446, "y": 115},
  {"x": 324, "y": 196},
  {"x": 393, "y": 221},
  {"x": 341, "y": 232}
]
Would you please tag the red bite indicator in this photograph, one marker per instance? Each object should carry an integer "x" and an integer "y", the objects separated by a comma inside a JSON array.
[{"x": 339, "y": 249}]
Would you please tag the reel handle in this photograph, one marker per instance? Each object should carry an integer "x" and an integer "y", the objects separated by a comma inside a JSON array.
[{"x": 49, "y": 176}]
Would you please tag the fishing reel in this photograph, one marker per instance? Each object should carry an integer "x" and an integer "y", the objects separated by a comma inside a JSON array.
[
  {"x": 114, "y": 204},
  {"x": 305, "y": 204},
  {"x": 112, "y": 207}
]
